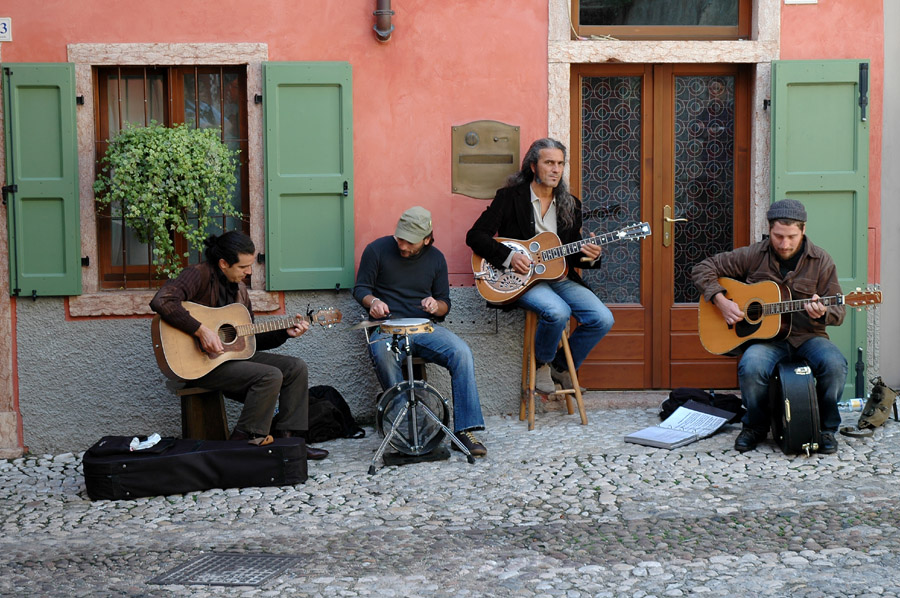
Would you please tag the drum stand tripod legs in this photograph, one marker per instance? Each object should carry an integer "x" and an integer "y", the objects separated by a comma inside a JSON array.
[{"x": 411, "y": 406}]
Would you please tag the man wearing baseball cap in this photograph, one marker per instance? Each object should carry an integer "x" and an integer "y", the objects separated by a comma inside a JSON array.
[
  {"x": 789, "y": 258},
  {"x": 405, "y": 276}
]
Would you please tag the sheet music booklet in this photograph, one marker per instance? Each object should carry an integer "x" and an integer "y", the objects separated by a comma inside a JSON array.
[{"x": 689, "y": 423}]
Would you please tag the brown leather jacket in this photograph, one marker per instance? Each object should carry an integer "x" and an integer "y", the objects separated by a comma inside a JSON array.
[
  {"x": 815, "y": 274},
  {"x": 200, "y": 284}
]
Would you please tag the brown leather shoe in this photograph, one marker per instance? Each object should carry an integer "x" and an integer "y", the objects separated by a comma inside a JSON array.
[
  {"x": 316, "y": 454},
  {"x": 239, "y": 435}
]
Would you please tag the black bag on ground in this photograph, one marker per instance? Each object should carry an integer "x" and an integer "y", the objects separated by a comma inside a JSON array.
[
  {"x": 187, "y": 465},
  {"x": 330, "y": 416},
  {"x": 725, "y": 401}
]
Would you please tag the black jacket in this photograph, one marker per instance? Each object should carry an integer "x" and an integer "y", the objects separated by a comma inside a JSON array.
[{"x": 511, "y": 215}]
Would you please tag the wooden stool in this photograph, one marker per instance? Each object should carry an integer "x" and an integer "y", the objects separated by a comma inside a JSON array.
[
  {"x": 529, "y": 366},
  {"x": 202, "y": 412},
  {"x": 419, "y": 372}
]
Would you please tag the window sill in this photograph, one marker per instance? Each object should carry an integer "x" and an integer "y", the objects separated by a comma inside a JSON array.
[{"x": 137, "y": 303}]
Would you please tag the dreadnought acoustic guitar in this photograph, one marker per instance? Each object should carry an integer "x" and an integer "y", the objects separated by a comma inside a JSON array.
[
  {"x": 180, "y": 357},
  {"x": 547, "y": 254},
  {"x": 764, "y": 305}
]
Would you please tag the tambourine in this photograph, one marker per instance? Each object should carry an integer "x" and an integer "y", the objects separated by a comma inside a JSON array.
[{"x": 407, "y": 326}]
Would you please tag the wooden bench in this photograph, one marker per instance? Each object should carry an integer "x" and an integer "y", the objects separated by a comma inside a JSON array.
[{"x": 202, "y": 411}]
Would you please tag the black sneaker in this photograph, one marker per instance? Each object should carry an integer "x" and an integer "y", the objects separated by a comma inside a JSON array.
[
  {"x": 828, "y": 443},
  {"x": 748, "y": 439},
  {"x": 470, "y": 442}
]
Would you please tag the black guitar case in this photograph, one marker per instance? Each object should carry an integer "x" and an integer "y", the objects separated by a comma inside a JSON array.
[
  {"x": 795, "y": 408},
  {"x": 175, "y": 466}
]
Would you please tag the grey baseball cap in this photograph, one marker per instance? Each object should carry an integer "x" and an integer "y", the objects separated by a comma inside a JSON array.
[{"x": 414, "y": 225}]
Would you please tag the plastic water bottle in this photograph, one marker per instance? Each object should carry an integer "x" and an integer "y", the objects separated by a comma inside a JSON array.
[{"x": 851, "y": 405}]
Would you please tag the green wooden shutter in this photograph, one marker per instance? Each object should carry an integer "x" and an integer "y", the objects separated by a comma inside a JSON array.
[
  {"x": 42, "y": 163},
  {"x": 820, "y": 155},
  {"x": 309, "y": 175}
]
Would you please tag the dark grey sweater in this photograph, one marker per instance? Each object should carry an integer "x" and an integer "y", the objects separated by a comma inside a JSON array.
[{"x": 401, "y": 282}]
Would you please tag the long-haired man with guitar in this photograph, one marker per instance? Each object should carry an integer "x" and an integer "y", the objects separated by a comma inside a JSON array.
[
  {"x": 260, "y": 381},
  {"x": 535, "y": 200},
  {"x": 790, "y": 259}
]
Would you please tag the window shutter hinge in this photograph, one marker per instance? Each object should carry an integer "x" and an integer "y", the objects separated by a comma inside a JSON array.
[
  {"x": 257, "y": 99},
  {"x": 260, "y": 258},
  {"x": 79, "y": 99},
  {"x": 85, "y": 261},
  {"x": 766, "y": 103},
  {"x": 7, "y": 189}
]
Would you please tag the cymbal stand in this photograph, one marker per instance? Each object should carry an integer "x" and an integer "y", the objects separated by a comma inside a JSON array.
[{"x": 412, "y": 404}]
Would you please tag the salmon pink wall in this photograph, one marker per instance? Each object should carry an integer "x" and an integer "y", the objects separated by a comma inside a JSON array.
[
  {"x": 832, "y": 30},
  {"x": 447, "y": 63}
]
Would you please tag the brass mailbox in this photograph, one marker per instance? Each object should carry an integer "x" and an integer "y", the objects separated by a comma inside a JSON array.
[{"x": 485, "y": 153}]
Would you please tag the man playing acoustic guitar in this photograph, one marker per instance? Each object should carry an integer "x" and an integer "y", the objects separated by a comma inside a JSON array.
[
  {"x": 263, "y": 379},
  {"x": 536, "y": 199},
  {"x": 790, "y": 259}
]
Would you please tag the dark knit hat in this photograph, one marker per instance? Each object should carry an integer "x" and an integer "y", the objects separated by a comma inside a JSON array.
[{"x": 789, "y": 209}]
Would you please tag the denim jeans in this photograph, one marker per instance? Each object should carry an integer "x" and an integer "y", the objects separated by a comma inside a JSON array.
[
  {"x": 445, "y": 349},
  {"x": 758, "y": 362},
  {"x": 554, "y": 303}
]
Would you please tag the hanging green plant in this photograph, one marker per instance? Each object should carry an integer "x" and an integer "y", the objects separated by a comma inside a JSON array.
[{"x": 168, "y": 181}]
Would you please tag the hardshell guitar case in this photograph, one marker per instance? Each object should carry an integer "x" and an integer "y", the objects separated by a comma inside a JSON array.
[
  {"x": 176, "y": 466},
  {"x": 795, "y": 408}
]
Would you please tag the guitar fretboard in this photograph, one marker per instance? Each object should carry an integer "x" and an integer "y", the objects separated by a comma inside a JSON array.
[
  {"x": 268, "y": 325},
  {"x": 783, "y": 307},
  {"x": 574, "y": 247}
]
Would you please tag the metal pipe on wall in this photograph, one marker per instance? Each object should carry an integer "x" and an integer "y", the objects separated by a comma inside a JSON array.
[{"x": 383, "y": 26}]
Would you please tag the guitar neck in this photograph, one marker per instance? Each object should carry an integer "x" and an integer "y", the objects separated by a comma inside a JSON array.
[
  {"x": 574, "y": 247},
  {"x": 783, "y": 307},
  {"x": 269, "y": 325}
]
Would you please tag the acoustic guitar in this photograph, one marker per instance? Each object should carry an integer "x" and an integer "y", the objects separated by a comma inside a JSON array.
[
  {"x": 180, "y": 356},
  {"x": 764, "y": 305},
  {"x": 547, "y": 254}
]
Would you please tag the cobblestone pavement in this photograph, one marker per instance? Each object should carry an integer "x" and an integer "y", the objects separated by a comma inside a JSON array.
[{"x": 563, "y": 511}]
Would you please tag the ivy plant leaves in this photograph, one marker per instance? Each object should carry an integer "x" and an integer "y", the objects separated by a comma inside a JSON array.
[{"x": 168, "y": 181}]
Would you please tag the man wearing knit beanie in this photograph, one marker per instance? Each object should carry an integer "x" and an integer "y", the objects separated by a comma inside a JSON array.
[{"x": 789, "y": 258}]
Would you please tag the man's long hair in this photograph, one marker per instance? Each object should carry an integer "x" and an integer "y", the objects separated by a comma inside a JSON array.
[
  {"x": 565, "y": 203},
  {"x": 227, "y": 247}
]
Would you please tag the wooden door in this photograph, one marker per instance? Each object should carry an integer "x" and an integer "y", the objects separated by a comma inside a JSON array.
[{"x": 668, "y": 144}]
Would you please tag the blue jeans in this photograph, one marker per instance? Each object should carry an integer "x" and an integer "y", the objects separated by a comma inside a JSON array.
[
  {"x": 445, "y": 349},
  {"x": 758, "y": 362},
  {"x": 554, "y": 303}
]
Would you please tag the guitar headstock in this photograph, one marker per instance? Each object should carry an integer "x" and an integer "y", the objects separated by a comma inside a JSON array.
[
  {"x": 634, "y": 231},
  {"x": 861, "y": 299},
  {"x": 326, "y": 317}
]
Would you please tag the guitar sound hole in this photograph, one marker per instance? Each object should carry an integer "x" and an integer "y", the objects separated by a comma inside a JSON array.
[
  {"x": 534, "y": 246},
  {"x": 753, "y": 312},
  {"x": 539, "y": 268},
  {"x": 227, "y": 334}
]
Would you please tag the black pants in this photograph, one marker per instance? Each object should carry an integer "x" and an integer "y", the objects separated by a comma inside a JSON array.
[{"x": 258, "y": 383}]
